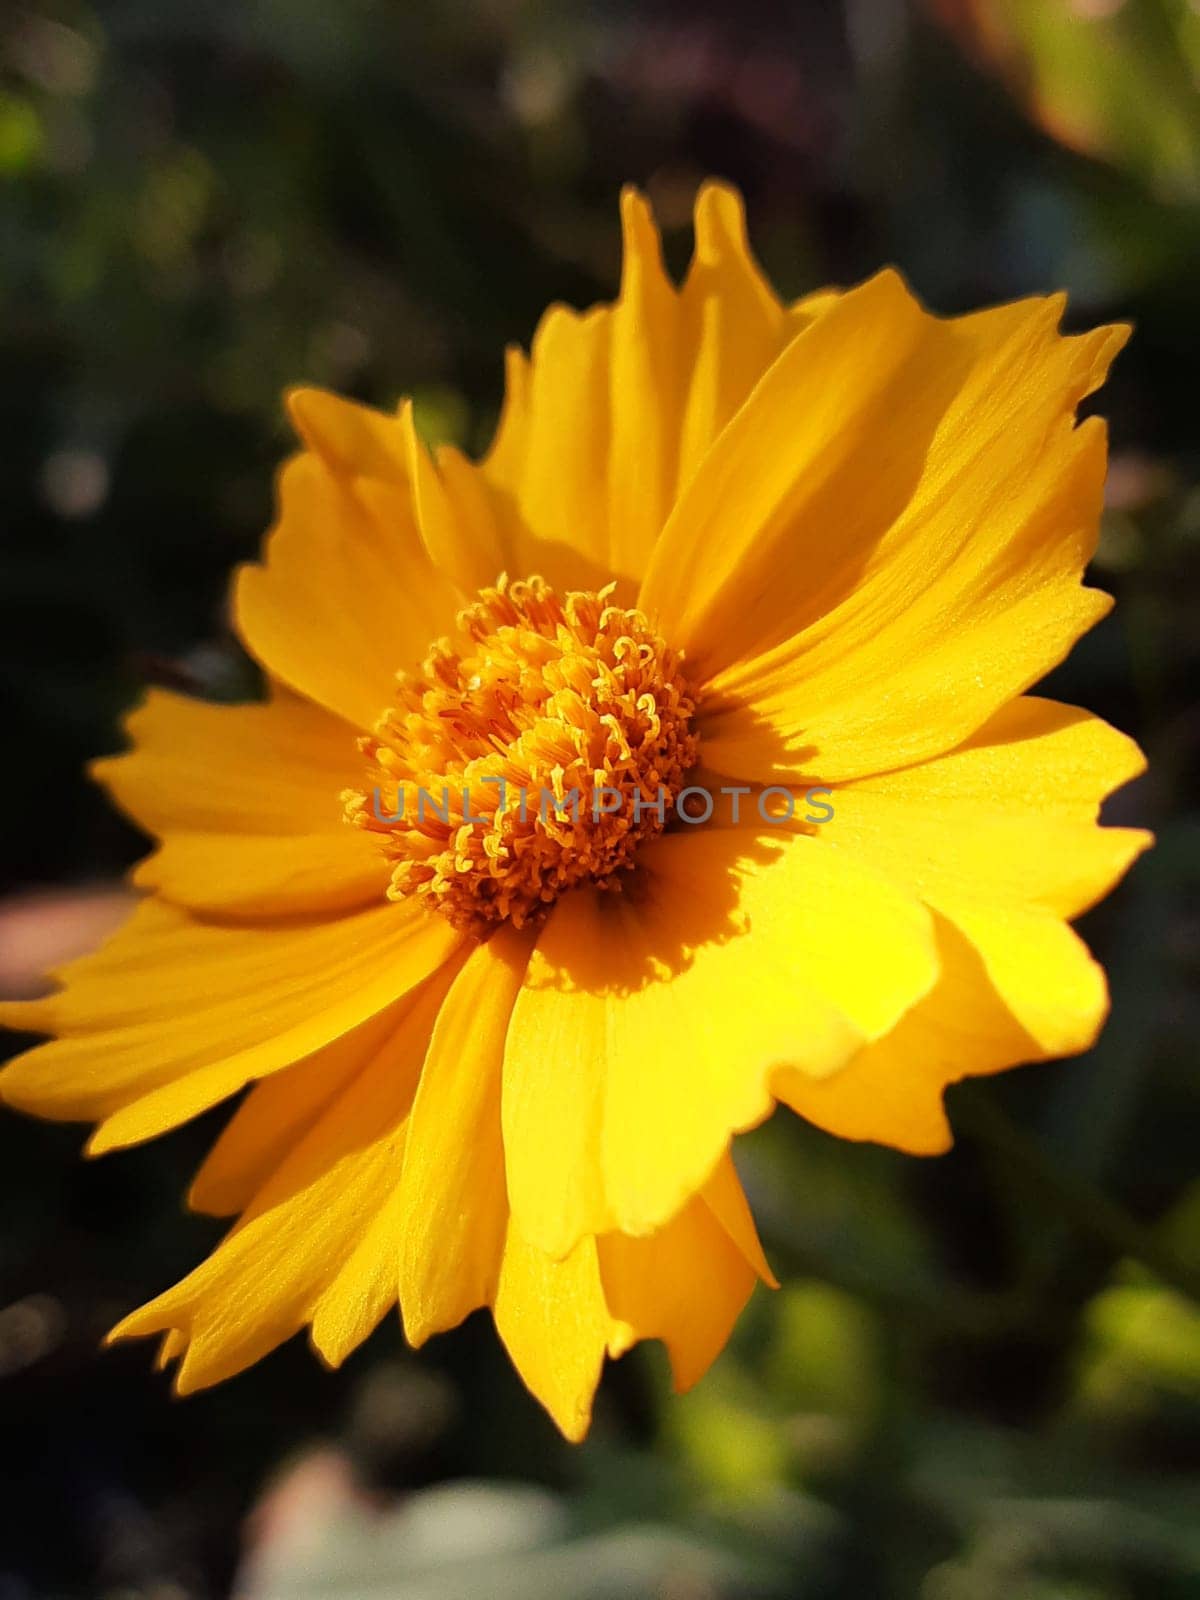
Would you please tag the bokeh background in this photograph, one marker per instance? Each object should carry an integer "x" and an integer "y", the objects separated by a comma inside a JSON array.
[{"x": 982, "y": 1377}]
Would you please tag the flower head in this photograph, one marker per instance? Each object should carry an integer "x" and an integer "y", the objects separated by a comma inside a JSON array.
[
  {"x": 499, "y": 999},
  {"x": 576, "y": 702}
]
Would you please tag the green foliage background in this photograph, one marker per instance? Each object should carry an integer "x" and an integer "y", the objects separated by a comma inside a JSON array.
[{"x": 982, "y": 1378}]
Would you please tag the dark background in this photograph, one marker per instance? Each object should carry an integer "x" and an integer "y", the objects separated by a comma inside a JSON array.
[{"x": 981, "y": 1379}]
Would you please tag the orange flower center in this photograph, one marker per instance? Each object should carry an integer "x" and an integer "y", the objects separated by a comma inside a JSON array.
[{"x": 535, "y": 752}]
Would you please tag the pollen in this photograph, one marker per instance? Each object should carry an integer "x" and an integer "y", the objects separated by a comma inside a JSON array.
[{"x": 533, "y": 752}]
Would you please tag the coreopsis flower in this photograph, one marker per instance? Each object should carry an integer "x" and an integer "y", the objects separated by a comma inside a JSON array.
[{"x": 494, "y": 1051}]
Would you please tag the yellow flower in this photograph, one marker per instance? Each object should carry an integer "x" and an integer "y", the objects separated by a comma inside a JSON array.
[{"x": 498, "y": 1049}]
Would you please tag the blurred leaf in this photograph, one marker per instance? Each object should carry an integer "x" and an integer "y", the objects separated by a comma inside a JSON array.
[
  {"x": 20, "y": 135},
  {"x": 824, "y": 1352},
  {"x": 1116, "y": 78},
  {"x": 1143, "y": 1333}
]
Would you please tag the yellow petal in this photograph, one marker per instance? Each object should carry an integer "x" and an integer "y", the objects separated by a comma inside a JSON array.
[
  {"x": 452, "y": 1189},
  {"x": 550, "y": 457},
  {"x": 618, "y": 405},
  {"x": 319, "y": 1242},
  {"x": 810, "y": 306},
  {"x": 1006, "y": 819},
  {"x": 172, "y": 1345},
  {"x": 555, "y": 1068},
  {"x": 1033, "y": 758},
  {"x": 732, "y": 320},
  {"x": 506, "y": 457},
  {"x": 649, "y": 1023},
  {"x": 346, "y": 595},
  {"x": 364, "y": 1290},
  {"x": 891, "y": 1092},
  {"x": 247, "y": 802},
  {"x": 647, "y": 390},
  {"x": 726, "y": 1199},
  {"x": 685, "y": 1285},
  {"x": 255, "y": 878},
  {"x": 953, "y": 582},
  {"x": 555, "y": 1325},
  {"x": 999, "y": 836},
  {"x": 171, "y": 1016},
  {"x": 278, "y": 1112},
  {"x": 1043, "y": 972},
  {"x": 454, "y": 512},
  {"x": 354, "y": 441},
  {"x": 268, "y": 769},
  {"x": 781, "y": 504}
]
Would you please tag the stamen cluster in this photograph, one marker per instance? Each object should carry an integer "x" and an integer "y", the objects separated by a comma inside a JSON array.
[{"x": 538, "y": 695}]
